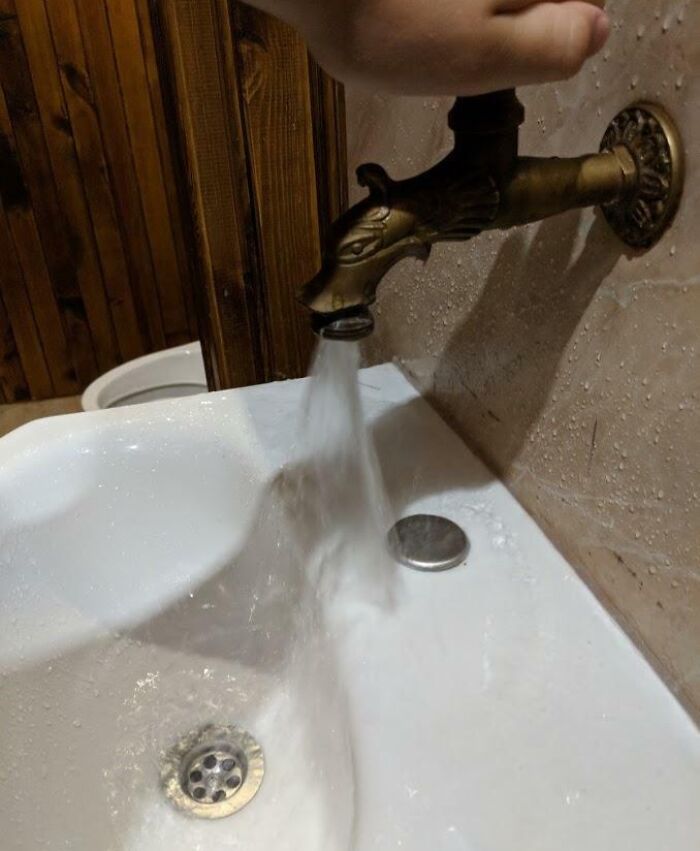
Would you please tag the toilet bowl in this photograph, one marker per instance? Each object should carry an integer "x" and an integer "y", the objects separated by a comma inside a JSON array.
[{"x": 163, "y": 375}]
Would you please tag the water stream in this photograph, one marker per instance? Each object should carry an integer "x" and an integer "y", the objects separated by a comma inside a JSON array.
[
  {"x": 352, "y": 510},
  {"x": 279, "y": 617},
  {"x": 342, "y": 515}
]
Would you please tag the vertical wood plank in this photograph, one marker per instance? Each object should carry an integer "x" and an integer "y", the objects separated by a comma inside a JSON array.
[
  {"x": 29, "y": 255},
  {"x": 330, "y": 145},
  {"x": 244, "y": 193},
  {"x": 103, "y": 244},
  {"x": 92, "y": 194},
  {"x": 213, "y": 157},
  {"x": 61, "y": 245},
  {"x": 161, "y": 100},
  {"x": 128, "y": 49},
  {"x": 102, "y": 71},
  {"x": 85, "y": 181},
  {"x": 275, "y": 179},
  {"x": 21, "y": 318},
  {"x": 13, "y": 383},
  {"x": 276, "y": 89}
]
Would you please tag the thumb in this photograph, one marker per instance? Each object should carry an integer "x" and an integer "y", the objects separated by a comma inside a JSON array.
[{"x": 551, "y": 41}]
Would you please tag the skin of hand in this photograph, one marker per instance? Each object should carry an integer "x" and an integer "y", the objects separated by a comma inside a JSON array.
[{"x": 450, "y": 47}]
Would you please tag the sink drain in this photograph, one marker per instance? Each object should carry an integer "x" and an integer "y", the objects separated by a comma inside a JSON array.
[
  {"x": 428, "y": 543},
  {"x": 213, "y": 772}
]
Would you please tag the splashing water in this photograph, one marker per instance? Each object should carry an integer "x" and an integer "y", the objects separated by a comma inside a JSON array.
[{"x": 352, "y": 509}]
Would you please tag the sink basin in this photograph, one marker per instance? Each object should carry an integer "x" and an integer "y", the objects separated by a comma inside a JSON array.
[{"x": 155, "y": 579}]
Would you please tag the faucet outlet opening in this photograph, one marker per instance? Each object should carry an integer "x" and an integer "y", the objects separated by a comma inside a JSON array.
[{"x": 348, "y": 325}]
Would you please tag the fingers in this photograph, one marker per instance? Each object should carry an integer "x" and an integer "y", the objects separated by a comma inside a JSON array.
[
  {"x": 459, "y": 47},
  {"x": 551, "y": 40},
  {"x": 505, "y": 6}
]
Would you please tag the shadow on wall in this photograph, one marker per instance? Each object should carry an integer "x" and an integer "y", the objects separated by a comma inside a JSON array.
[
  {"x": 396, "y": 434},
  {"x": 499, "y": 365}
]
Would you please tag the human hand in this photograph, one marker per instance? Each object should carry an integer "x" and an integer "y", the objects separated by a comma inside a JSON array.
[{"x": 455, "y": 47}]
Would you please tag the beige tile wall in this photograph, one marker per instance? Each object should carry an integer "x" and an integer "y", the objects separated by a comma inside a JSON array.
[{"x": 572, "y": 368}]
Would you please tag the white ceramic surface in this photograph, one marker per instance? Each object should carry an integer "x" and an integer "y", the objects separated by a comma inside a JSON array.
[
  {"x": 169, "y": 374},
  {"x": 148, "y": 586}
]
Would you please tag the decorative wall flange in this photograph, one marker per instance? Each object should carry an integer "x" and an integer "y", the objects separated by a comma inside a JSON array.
[{"x": 652, "y": 138}]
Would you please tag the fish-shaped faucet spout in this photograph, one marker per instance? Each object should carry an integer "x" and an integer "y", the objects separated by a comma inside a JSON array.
[{"x": 483, "y": 184}]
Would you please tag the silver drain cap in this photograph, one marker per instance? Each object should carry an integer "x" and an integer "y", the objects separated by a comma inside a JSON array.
[
  {"x": 428, "y": 543},
  {"x": 213, "y": 772}
]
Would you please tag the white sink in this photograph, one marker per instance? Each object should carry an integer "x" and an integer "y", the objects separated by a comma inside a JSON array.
[{"x": 153, "y": 581}]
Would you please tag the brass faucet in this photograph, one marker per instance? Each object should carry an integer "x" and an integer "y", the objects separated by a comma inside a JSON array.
[{"x": 483, "y": 184}]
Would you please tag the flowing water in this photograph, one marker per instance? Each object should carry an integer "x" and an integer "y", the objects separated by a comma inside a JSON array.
[
  {"x": 352, "y": 511},
  {"x": 341, "y": 517}
]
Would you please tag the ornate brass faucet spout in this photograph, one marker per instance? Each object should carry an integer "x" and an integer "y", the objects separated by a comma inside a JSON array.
[{"x": 482, "y": 184}]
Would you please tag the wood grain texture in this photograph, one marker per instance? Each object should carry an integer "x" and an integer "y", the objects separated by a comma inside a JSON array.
[
  {"x": 106, "y": 91},
  {"x": 60, "y": 313},
  {"x": 161, "y": 94},
  {"x": 159, "y": 159},
  {"x": 193, "y": 34},
  {"x": 85, "y": 181},
  {"x": 13, "y": 382},
  {"x": 141, "y": 126},
  {"x": 87, "y": 185},
  {"x": 330, "y": 144},
  {"x": 261, "y": 141},
  {"x": 20, "y": 316},
  {"x": 276, "y": 96}
]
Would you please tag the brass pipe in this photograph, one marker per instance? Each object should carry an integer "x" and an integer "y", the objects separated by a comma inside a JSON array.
[{"x": 541, "y": 188}]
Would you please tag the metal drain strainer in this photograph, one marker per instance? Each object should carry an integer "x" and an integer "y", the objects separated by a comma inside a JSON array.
[
  {"x": 213, "y": 772},
  {"x": 428, "y": 543}
]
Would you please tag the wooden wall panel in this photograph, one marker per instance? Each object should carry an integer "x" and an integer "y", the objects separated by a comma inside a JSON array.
[
  {"x": 131, "y": 65},
  {"x": 25, "y": 339},
  {"x": 60, "y": 314},
  {"x": 261, "y": 137},
  {"x": 196, "y": 49},
  {"x": 13, "y": 382},
  {"x": 85, "y": 182},
  {"x": 330, "y": 146},
  {"x": 277, "y": 105},
  {"x": 106, "y": 86},
  {"x": 158, "y": 158},
  {"x": 159, "y": 89},
  {"x": 97, "y": 273}
]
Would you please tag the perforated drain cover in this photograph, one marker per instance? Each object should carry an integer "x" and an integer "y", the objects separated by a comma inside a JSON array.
[{"x": 213, "y": 772}]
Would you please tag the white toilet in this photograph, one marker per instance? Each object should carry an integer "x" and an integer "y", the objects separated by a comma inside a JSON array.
[{"x": 163, "y": 375}]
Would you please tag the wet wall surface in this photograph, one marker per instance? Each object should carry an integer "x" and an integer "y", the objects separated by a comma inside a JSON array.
[{"x": 571, "y": 365}]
